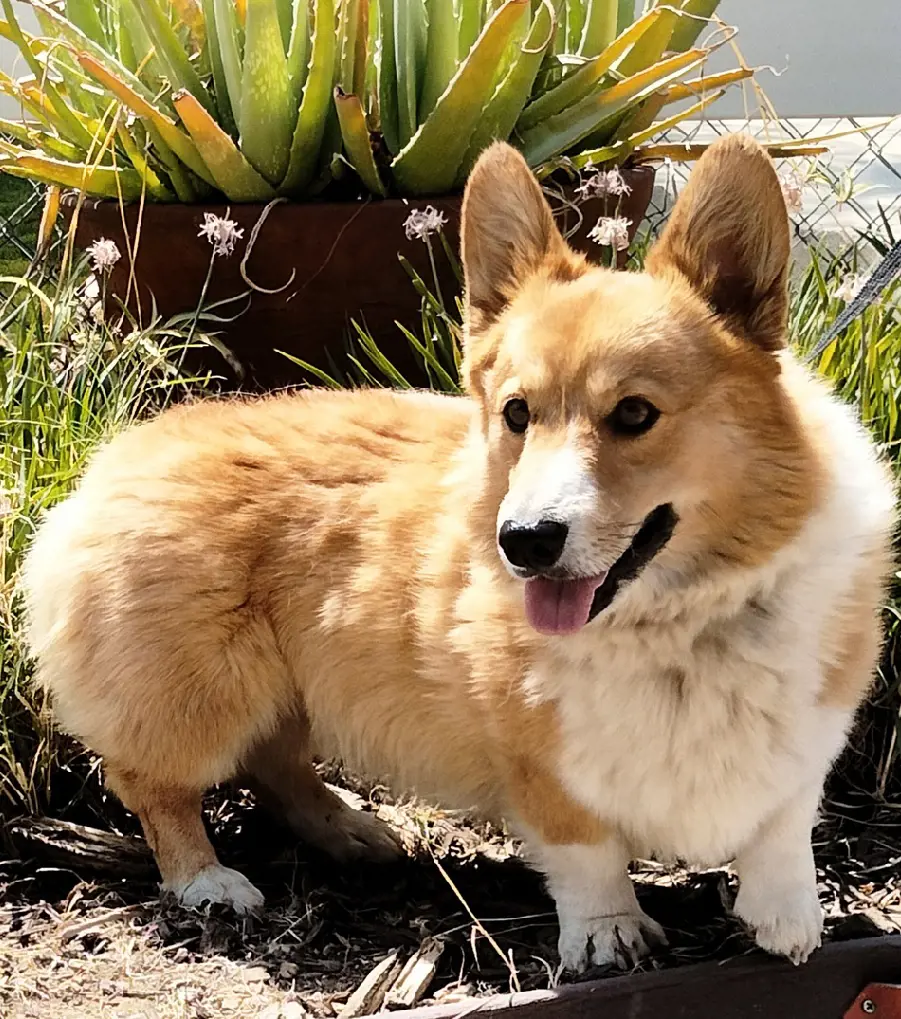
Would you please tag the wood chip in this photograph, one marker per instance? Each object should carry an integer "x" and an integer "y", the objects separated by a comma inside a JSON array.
[
  {"x": 416, "y": 976},
  {"x": 888, "y": 921},
  {"x": 368, "y": 997}
]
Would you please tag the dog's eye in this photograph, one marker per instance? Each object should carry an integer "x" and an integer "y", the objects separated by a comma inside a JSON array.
[
  {"x": 633, "y": 416},
  {"x": 516, "y": 414}
]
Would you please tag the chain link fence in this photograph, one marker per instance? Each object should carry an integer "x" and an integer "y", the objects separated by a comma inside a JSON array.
[{"x": 849, "y": 196}]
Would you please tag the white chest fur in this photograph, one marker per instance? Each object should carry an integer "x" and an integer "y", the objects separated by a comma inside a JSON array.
[{"x": 687, "y": 743}]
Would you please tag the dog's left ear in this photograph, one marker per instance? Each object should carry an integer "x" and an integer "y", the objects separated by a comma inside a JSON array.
[
  {"x": 508, "y": 233},
  {"x": 729, "y": 237}
]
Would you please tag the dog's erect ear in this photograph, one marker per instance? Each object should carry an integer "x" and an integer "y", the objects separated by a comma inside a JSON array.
[
  {"x": 729, "y": 237},
  {"x": 508, "y": 233}
]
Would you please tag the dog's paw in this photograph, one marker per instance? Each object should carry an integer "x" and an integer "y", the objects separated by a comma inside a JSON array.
[
  {"x": 345, "y": 830},
  {"x": 786, "y": 921},
  {"x": 220, "y": 885},
  {"x": 621, "y": 941},
  {"x": 359, "y": 834}
]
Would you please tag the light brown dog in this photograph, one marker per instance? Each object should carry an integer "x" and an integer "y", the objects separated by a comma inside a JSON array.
[{"x": 625, "y": 594}]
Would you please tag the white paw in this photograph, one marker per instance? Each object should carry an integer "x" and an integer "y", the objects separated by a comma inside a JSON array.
[
  {"x": 220, "y": 884},
  {"x": 786, "y": 920},
  {"x": 620, "y": 941}
]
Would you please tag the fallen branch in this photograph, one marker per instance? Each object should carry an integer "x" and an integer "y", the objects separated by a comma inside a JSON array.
[{"x": 62, "y": 844}]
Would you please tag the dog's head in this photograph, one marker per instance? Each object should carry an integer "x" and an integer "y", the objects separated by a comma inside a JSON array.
[{"x": 628, "y": 412}]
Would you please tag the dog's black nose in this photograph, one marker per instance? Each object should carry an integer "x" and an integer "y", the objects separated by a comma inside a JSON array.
[{"x": 533, "y": 548}]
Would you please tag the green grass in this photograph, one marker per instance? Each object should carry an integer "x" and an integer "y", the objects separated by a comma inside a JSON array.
[{"x": 69, "y": 381}]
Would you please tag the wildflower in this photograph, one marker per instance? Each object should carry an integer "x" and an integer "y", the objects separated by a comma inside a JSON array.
[
  {"x": 793, "y": 190},
  {"x": 103, "y": 254},
  {"x": 850, "y": 287},
  {"x": 611, "y": 231},
  {"x": 223, "y": 233},
  {"x": 604, "y": 183},
  {"x": 422, "y": 223}
]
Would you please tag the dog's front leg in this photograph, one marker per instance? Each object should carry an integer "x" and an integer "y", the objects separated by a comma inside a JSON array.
[
  {"x": 601, "y": 923},
  {"x": 778, "y": 896},
  {"x": 586, "y": 864}
]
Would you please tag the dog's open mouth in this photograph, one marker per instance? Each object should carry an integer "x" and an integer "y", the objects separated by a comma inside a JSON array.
[{"x": 565, "y": 606}]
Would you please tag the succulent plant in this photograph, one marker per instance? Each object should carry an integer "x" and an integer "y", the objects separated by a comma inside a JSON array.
[{"x": 181, "y": 100}]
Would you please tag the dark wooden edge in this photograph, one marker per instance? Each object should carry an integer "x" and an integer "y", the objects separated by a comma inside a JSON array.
[{"x": 749, "y": 988}]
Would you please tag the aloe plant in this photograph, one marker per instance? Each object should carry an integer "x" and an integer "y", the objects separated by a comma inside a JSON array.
[{"x": 246, "y": 100}]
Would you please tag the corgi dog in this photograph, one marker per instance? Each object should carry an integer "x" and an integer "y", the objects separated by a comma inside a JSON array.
[{"x": 625, "y": 594}]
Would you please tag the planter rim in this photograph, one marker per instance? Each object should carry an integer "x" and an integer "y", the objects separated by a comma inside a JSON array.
[{"x": 450, "y": 197}]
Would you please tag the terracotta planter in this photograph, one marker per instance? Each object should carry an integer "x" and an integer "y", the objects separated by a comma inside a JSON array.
[{"x": 344, "y": 260}]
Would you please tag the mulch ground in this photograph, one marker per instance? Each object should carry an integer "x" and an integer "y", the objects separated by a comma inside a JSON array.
[{"x": 74, "y": 946}]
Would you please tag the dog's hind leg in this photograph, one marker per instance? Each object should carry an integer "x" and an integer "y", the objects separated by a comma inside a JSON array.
[
  {"x": 173, "y": 826},
  {"x": 279, "y": 769}
]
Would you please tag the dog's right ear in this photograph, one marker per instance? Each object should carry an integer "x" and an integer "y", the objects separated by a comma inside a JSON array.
[{"x": 508, "y": 233}]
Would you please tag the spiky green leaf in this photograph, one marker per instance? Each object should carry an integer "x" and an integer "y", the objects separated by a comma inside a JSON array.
[
  {"x": 355, "y": 134},
  {"x": 585, "y": 80},
  {"x": 558, "y": 134},
  {"x": 234, "y": 176},
  {"x": 267, "y": 116},
  {"x": 431, "y": 162},
  {"x": 179, "y": 69},
  {"x": 500, "y": 114},
  {"x": 312, "y": 118}
]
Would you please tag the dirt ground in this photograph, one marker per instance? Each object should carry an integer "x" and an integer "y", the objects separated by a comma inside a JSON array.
[{"x": 77, "y": 947}]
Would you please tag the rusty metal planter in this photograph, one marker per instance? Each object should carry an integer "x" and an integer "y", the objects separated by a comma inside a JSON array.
[
  {"x": 343, "y": 256},
  {"x": 849, "y": 980}
]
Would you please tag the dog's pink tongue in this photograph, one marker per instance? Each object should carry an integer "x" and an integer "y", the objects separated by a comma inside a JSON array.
[{"x": 559, "y": 606}]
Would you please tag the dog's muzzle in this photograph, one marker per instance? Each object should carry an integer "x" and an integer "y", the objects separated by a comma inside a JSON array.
[{"x": 650, "y": 539}]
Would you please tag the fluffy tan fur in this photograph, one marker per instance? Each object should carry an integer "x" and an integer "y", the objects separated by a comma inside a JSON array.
[{"x": 240, "y": 585}]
